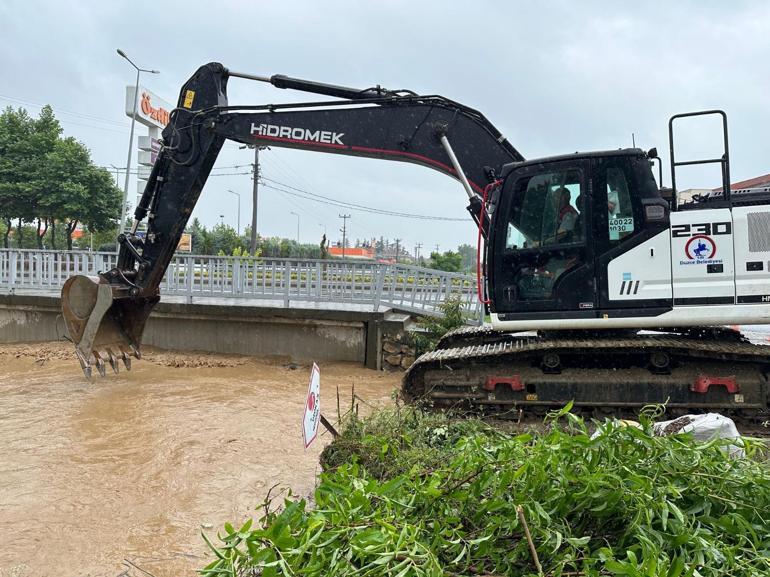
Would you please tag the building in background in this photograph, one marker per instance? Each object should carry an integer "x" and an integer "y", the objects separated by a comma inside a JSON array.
[
  {"x": 362, "y": 253},
  {"x": 756, "y": 182},
  {"x": 687, "y": 196}
]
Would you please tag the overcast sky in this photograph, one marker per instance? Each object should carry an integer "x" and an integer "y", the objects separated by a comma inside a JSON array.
[{"x": 554, "y": 77}]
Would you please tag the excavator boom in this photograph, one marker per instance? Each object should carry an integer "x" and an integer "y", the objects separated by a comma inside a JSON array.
[{"x": 105, "y": 315}]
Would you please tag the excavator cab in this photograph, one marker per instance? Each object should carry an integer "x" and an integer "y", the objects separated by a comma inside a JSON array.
[{"x": 560, "y": 221}]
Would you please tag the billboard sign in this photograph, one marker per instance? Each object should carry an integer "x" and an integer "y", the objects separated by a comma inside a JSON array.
[
  {"x": 151, "y": 109},
  {"x": 185, "y": 243}
]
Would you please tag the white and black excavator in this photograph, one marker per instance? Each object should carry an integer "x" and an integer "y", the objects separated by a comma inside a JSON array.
[{"x": 625, "y": 295}]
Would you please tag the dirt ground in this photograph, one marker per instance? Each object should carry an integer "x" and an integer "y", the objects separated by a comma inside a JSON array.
[{"x": 133, "y": 466}]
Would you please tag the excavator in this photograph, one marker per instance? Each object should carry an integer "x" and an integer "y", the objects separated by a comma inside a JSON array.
[{"x": 602, "y": 289}]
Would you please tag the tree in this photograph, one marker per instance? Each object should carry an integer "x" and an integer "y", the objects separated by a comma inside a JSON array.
[
  {"x": 45, "y": 138},
  {"x": 225, "y": 239},
  {"x": 16, "y": 164},
  {"x": 78, "y": 192},
  {"x": 46, "y": 179},
  {"x": 468, "y": 255},
  {"x": 196, "y": 231},
  {"x": 450, "y": 261}
]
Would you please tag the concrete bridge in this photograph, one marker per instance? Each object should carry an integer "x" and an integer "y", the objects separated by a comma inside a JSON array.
[{"x": 307, "y": 309}]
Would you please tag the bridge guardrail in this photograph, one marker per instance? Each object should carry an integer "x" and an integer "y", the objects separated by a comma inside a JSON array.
[{"x": 405, "y": 287}]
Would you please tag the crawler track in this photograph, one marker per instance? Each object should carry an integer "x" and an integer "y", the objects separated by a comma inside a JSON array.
[{"x": 525, "y": 375}]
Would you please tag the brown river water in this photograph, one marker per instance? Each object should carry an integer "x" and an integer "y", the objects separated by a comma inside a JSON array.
[{"x": 133, "y": 466}]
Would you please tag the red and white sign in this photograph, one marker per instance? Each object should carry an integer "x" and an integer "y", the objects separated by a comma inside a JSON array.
[
  {"x": 151, "y": 109},
  {"x": 312, "y": 415}
]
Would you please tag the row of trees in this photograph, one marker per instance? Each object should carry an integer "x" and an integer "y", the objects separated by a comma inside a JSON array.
[
  {"x": 49, "y": 185},
  {"x": 222, "y": 240}
]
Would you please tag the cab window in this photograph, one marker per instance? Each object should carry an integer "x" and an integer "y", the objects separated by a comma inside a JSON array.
[
  {"x": 548, "y": 211},
  {"x": 620, "y": 213}
]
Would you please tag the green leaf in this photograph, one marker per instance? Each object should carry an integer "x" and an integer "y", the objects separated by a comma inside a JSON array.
[
  {"x": 676, "y": 568},
  {"x": 578, "y": 542}
]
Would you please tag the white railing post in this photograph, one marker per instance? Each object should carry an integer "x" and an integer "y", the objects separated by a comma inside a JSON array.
[
  {"x": 189, "y": 279},
  {"x": 236, "y": 282},
  {"x": 380, "y": 282},
  {"x": 12, "y": 270},
  {"x": 286, "y": 282}
]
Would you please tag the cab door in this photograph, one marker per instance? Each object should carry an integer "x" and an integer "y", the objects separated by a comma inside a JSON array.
[
  {"x": 631, "y": 238},
  {"x": 542, "y": 259}
]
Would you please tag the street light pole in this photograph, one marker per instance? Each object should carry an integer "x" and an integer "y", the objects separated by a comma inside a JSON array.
[
  {"x": 238, "y": 228},
  {"x": 122, "y": 216},
  {"x": 297, "y": 215}
]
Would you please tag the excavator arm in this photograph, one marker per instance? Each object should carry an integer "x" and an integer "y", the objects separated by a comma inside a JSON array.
[{"x": 105, "y": 315}]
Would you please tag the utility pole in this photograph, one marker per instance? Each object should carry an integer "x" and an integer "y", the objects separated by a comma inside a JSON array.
[
  {"x": 398, "y": 247},
  {"x": 343, "y": 230},
  {"x": 255, "y": 197},
  {"x": 417, "y": 248},
  {"x": 436, "y": 248}
]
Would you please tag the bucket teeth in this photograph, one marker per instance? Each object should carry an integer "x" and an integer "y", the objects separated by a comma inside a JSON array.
[
  {"x": 126, "y": 357},
  {"x": 113, "y": 361},
  {"x": 84, "y": 364},
  {"x": 136, "y": 352},
  {"x": 100, "y": 364}
]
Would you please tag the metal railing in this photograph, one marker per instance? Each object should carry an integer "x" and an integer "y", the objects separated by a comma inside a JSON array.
[{"x": 404, "y": 287}]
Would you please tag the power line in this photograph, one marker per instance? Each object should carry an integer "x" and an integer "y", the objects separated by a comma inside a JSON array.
[
  {"x": 344, "y": 204},
  {"x": 63, "y": 111},
  {"x": 296, "y": 177}
]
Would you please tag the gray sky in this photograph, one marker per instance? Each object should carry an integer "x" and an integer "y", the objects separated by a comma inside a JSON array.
[{"x": 554, "y": 77}]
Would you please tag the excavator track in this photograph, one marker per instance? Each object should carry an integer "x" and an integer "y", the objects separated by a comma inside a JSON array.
[{"x": 524, "y": 375}]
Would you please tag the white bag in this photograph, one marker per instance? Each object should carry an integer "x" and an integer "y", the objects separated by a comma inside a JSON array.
[{"x": 704, "y": 428}]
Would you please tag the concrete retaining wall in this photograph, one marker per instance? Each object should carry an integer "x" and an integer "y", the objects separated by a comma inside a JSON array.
[{"x": 311, "y": 334}]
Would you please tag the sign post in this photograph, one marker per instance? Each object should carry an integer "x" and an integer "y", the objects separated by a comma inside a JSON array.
[{"x": 312, "y": 415}]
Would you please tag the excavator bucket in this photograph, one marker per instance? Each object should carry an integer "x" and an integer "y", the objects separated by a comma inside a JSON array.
[{"x": 105, "y": 330}]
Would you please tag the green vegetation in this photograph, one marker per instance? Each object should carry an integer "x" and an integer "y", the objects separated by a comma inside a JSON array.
[
  {"x": 223, "y": 240},
  {"x": 405, "y": 494},
  {"x": 49, "y": 185},
  {"x": 449, "y": 261},
  {"x": 431, "y": 329}
]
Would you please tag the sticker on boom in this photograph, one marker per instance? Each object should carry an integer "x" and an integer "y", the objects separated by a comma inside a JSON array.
[{"x": 188, "y": 99}]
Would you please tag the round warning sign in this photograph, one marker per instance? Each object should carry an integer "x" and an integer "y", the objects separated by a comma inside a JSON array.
[
  {"x": 700, "y": 247},
  {"x": 312, "y": 415}
]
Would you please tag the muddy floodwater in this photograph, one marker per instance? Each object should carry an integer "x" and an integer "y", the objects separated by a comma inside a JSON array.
[{"x": 134, "y": 465}]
